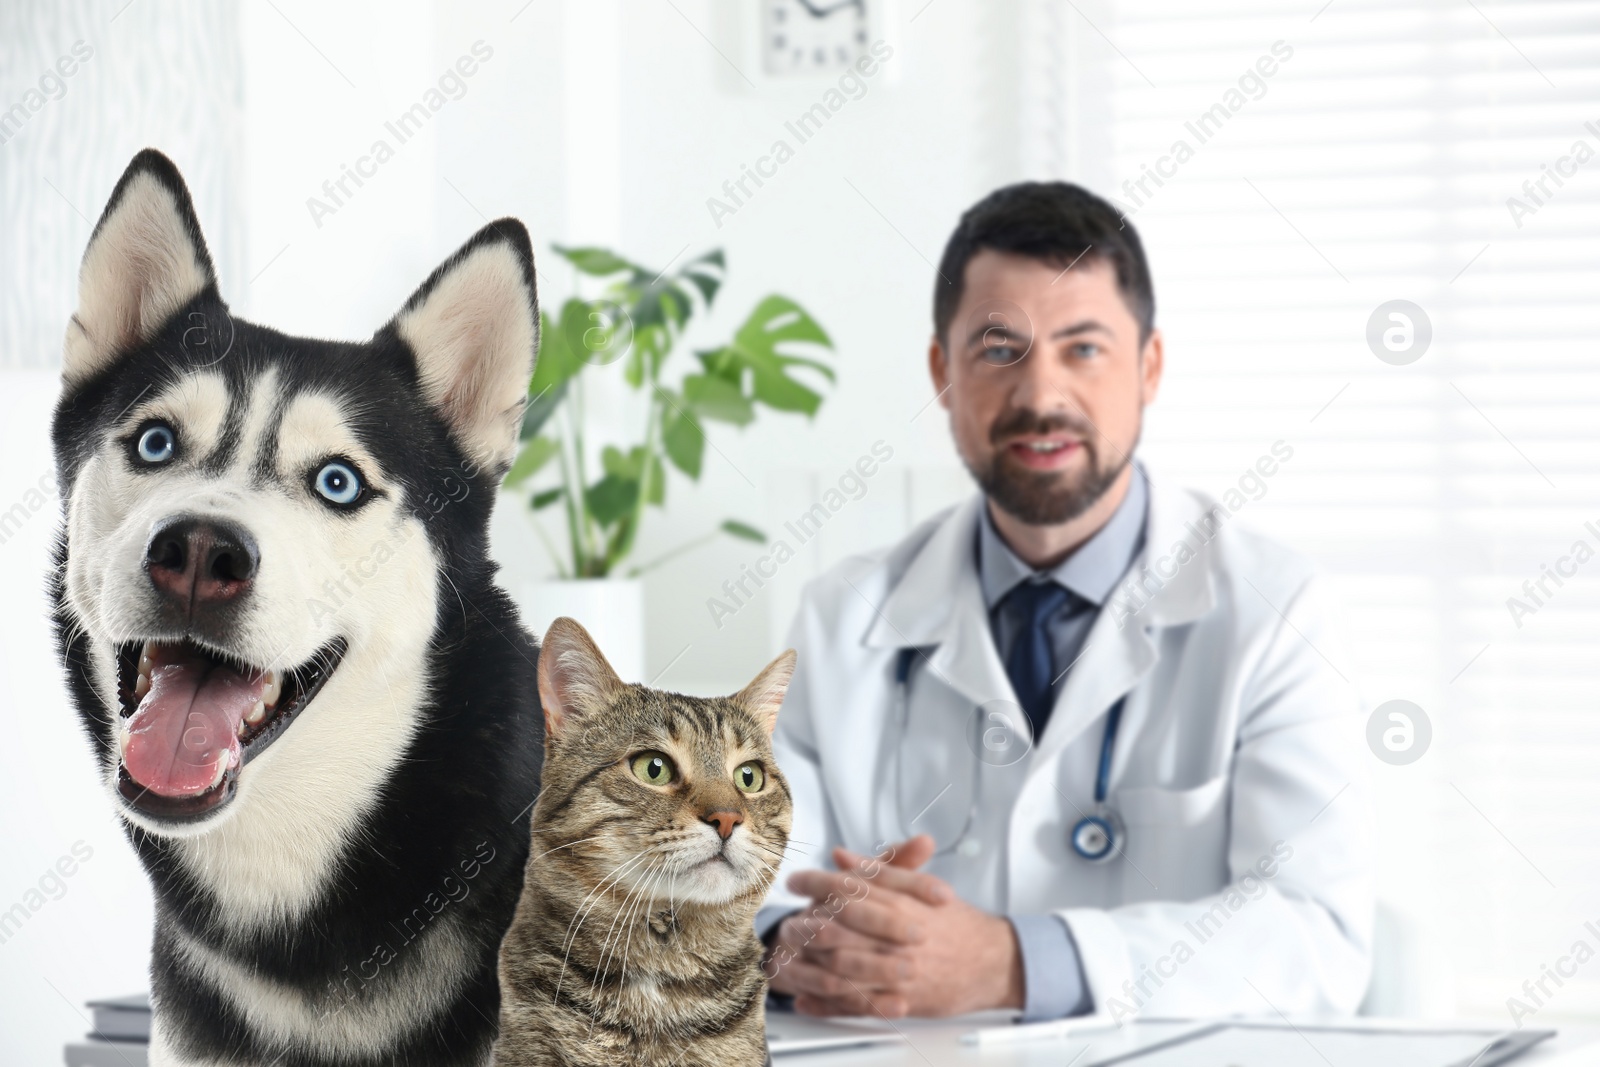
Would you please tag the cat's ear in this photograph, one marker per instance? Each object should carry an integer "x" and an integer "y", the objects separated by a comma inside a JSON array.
[
  {"x": 765, "y": 695},
  {"x": 146, "y": 260},
  {"x": 574, "y": 676}
]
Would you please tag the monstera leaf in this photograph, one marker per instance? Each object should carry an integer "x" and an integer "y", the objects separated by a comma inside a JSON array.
[
  {"x": 600, "y": 262},
  {"x": 705, "y": 274},
  {"x": 681, "y": 436},
  {"x": 744, "y": 531},
  {"x": 712, "y": 397},
  {"x": 630, "y": 468},
  {"x": 758, "y": 352}
]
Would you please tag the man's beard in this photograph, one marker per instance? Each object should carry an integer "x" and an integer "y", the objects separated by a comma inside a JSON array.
[{"x": 1047, "y": 498}]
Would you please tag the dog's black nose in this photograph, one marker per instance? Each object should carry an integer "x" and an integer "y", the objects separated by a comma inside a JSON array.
[{"x": 199, "y": 561}]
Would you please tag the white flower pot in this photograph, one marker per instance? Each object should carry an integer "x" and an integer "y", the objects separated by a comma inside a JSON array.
[{"x": 611, "y": 609}]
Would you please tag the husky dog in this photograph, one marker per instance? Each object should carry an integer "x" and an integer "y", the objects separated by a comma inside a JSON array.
[{"x": 315, "y": 712}]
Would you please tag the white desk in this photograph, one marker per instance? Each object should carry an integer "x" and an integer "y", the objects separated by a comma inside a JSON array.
[{"x": 937, "y": 1043}]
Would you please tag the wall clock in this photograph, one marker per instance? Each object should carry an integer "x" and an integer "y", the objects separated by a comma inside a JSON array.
[{"x": 806, "y": 37}]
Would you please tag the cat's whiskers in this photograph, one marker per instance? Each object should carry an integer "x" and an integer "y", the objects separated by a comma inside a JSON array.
[
  {"x": 582, "y": 911},
  {"x": 621, "y": 873},
  {"x": 606, "y": 944},
  {"x": 772, "y": 869},
  {"x": 614, "y": 875},
  {"x": 569, "y": 844},
  {"x": 593, "y": 898},
  {"x": 672, "y": 907},
  {"x": 624, "y": 943},
  {"x": 609, "y": 945},
  {"x": 770, "y": 850},
  {"x": 768, "y": 845},
  {"x": 646, "y": 902}
]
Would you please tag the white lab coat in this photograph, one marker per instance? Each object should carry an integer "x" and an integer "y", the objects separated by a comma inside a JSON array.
[{"x": 1246, "y": 881}]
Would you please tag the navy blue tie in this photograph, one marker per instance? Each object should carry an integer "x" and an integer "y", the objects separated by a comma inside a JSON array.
[{"x": 1031, "y": 664}]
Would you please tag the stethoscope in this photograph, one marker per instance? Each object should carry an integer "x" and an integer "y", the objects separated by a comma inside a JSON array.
[{"x": 1095, "y": 837}]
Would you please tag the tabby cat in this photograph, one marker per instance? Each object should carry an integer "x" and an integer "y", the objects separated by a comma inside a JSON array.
[{"x": 657, "y": 832}]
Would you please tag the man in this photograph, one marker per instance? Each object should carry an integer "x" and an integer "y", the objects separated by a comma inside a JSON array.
[{"x": 1096, "y": 719}]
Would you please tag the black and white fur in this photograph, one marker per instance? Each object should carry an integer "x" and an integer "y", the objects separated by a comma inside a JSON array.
[{"x": 344, "y": 901}]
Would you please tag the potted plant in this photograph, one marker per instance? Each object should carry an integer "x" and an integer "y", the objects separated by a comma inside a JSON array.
[{"x": 632, "y": 327}]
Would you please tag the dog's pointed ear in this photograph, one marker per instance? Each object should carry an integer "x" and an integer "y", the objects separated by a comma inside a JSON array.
[
  {"x": 473, "y": 328},
  {"x": 764, "y": 695},
  {"x": 146, "y": 260},
  {"x": 574, "y": 677}
]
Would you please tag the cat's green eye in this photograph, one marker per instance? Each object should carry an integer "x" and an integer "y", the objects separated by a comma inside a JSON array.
[
  {"x": 653, "y": 768},
  {"x": 750, "y": 777}
]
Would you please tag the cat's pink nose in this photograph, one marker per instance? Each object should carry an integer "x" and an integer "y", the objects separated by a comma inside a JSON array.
[{"x": 724, "y": 821}]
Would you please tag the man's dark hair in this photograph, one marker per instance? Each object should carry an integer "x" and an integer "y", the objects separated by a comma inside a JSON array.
[{"x": 1055, "y": 222}]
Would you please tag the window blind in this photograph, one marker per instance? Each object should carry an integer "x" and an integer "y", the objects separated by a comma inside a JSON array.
[{"x": 1293, "y": 168}]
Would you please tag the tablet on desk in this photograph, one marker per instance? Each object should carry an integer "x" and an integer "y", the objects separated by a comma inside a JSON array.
[{"x": 788, "y": 1032}]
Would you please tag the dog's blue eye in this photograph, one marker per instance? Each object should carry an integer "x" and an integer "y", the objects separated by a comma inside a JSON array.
[
  {"x": 157, "y": 444},
  {"x": 338, "y": 483}
]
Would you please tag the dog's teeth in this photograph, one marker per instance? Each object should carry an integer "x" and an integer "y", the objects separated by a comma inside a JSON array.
[
  {"x": 123, "y": 737},
  {"x": 274, "y": 689},
  {"x": 222, "y": 768},
  {"x": 243, "y": 728},
  {"x": 256, "y": 714},
  {"x": 141, "y": 684}
]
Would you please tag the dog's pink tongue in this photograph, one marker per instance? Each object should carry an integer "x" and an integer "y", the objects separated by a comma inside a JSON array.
[{"x": 186, "y": 730}]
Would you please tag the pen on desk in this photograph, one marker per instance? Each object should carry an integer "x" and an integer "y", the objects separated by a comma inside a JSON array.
[{"x": 1006, "y": 1035}]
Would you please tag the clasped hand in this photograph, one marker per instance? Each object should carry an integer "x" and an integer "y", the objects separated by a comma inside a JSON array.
[{"x": 884, "y": 938}]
